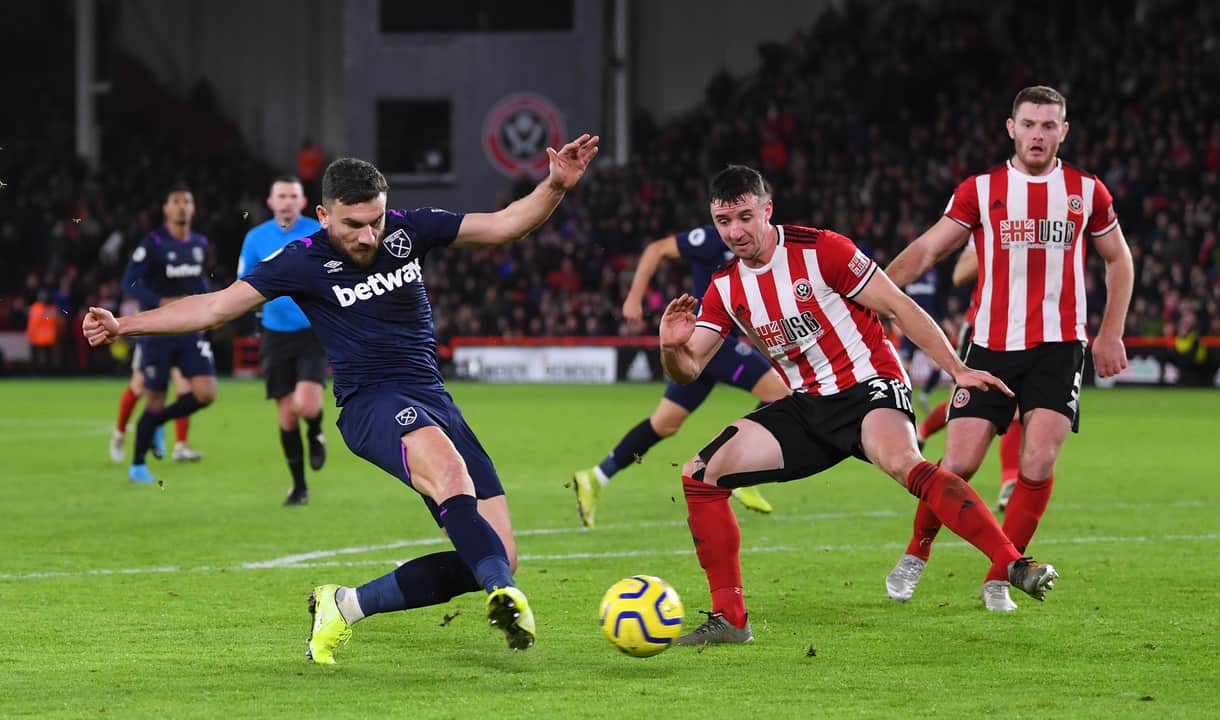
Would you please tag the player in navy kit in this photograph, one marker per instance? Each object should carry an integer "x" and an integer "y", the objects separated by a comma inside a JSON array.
[
  {"x": 737, "y": 364},
  {"x": 923, "y": 292},
  {"x": 165, "y": 267},
  {"x": 360, "y": 282}
]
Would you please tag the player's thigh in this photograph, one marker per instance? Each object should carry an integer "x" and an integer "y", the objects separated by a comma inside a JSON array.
[
  {"x": 668, "y": 417},
  {"x": 1053, "y": 380},
  {"x": 966, "y": 442},
  {"x": 181, "y": 384},
  {"x": 434, "y": 465},
  {"x": 887, "y": 436},
  {"x": 156, "y": 359},
  {"x": 771, "y": 444},
  {"x": 307, "y": 398},
  {"x": 1044, "y": 432},
  {"x": 691, "y": 395}
]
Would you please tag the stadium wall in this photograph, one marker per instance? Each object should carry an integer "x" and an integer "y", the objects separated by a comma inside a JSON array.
[
  {"x": 275, "y": 66},
  {"x": 678, "y": 45}
]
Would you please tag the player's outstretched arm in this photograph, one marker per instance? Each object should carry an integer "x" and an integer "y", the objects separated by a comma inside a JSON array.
[
  {"x": 521, "y": 217},
  {"x": 685, "y": 349},
  {"x": 884, "y": 297},
  {"x": 928, "y": 249},
  {"x": 190, "y": 314},
  {"x": 1109, "y": 354},
  {"x": 664, "y": 249}
]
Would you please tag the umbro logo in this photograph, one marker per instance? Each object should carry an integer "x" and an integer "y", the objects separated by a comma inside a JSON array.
[
  {"x": 997, "y": 205},
  {"x": 333, "y": 266}
]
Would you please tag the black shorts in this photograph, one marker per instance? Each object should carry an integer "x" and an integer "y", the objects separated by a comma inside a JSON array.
[
  {"x": 1044, "y": 376},
  {"x": 817, "y": 432},
  {"x": 288, "y": 358}
]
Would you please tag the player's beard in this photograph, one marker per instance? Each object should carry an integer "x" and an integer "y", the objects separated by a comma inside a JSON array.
[{"x": 362, "y": 261}]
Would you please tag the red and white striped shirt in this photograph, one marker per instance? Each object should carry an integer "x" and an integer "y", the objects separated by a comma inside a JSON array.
[
  {"x": 798, "y": 310},
  {"x": 1031, "y": 246}
]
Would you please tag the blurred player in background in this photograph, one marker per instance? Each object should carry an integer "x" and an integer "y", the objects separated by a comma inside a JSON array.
[
  {"x": 165, "y": 267},
  {"x": 360, "y": 282},
  {"x": 292, "y": 359},
  {"x": 811, "y": 299},
  {"x": 1030, "y": 220},
  {"x": 923, "y": 292},
  {"x": 127, "y": 404},
  {"x": 736, "y": 364}
]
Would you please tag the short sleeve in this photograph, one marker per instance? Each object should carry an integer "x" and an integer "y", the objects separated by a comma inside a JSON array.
[
  {"x": 963, "y": 207},
  {"x": 428, "y": 227},
  {"x": 281, "y": 272},
  {"x": 1103, "y": 219},
  {"x": 249, "y": 256},
  {"x": 844, "y": 267},
  {"x": 713, "y": 314},
  {"x": 702, "y": 243}
]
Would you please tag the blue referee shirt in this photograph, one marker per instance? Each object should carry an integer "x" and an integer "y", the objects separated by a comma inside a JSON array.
[{"x": 281, "y": 314}]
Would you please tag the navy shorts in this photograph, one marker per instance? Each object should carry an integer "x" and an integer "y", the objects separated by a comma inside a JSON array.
[
  {"x": 192, "y": 354},
  {"x": 736, "y": 363},
  {"x": 374, "y": 420}
]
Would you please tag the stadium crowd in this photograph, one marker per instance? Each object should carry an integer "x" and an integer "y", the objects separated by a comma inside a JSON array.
[{"x": 868, "y": 143}]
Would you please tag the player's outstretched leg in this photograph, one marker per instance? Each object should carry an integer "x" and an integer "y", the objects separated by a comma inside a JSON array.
[
  {"x": 329, "y": 628},
  {"x": 509, "y": 610},
  {"x": 589, "y": 483}
]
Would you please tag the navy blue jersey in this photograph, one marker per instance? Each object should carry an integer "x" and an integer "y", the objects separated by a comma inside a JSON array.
[
  {"x": 705, "y": 251},
  {"x": 163, "y": 266},
  {"x": 376, "y": 322},
  {"x": 923, "y": 292}
]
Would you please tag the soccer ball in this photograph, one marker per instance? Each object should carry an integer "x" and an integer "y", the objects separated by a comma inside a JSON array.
[{"x": 641, "y": 615}]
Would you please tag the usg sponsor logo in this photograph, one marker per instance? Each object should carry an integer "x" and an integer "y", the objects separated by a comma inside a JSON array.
[{"x": 378, "y": 284}]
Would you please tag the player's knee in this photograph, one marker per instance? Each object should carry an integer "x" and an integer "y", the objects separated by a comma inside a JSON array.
[
  {"x": 898, "y": 463},
  {"x": 449, "y": 480},
  {"x": 696, "y": 469},
  {"x": 963, "y": 470},
  {"x": 1037, "y": 464},
  {"x": 206, "y": 396},
  {"x": 665, "y": 426}
]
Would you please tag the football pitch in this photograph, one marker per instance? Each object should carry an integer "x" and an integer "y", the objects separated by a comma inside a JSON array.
[{"x": 189, "y": 601}]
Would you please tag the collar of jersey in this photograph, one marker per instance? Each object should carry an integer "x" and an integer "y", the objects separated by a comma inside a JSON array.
[
  {"x": 779, "y": 243},
  {"x": 1037, "y": 178}
]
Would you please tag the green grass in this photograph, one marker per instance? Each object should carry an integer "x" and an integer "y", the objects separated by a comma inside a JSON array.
[{"x": 92, "y": 628}]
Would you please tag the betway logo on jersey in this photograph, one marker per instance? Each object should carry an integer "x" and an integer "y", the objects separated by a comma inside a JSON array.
[
  {"x": 1037, "y": 234},
  {"x": 183, "y": 271},
  {"x": 378, "y": 284},
  {"x": 790, "y": 331}
]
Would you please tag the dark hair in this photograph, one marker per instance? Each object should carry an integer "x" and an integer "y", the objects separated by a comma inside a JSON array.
[
  {"x": 1040, "y": 95},
  {"x": 287, "y": 178},
  {"x": 351, "y": 181},
  {"x": 735, "y": 182},
  {"x": 178, "y": 187}
]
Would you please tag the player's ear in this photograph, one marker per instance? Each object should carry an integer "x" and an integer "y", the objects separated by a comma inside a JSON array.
[
  {"x": 323, "y": 216},
  {"x": 768, "y": 207},
  {"x": 1011, "y": 125},
  {"x": 1063, "y": 135}
]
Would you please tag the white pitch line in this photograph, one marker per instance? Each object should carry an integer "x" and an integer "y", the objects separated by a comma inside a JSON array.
[
  {"x": 296, "y": 559},
  {"x": 304, "y": 565}
]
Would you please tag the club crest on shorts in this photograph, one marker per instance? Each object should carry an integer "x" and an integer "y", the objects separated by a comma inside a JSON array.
[
  {"x": 407, "y": 416},
  {"x": 802, "y": 289},
  {"x": 398, "y": 243},
  {"x": 961, "y": 396}
]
